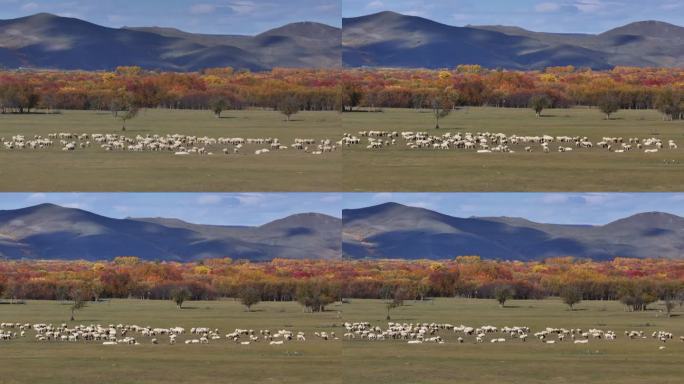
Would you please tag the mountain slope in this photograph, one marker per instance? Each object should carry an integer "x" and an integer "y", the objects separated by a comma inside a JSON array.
[
  {"x": 49, "y": 41},
  {"x": 389, "y": 39},
  {"x": 52, "y": 232},
  {"x": 397, "y": 231}
]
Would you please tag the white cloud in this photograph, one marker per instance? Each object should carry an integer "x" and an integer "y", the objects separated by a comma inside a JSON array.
[
  {"x": 377, "y": 4},
  {"x": 671, "y": 6},
  {"x": 420, "y": 204},
  {"x": 416, "y": 12},
  {"x": 209, "y": 199},
  {"x": 36, "y": 197},
  {"x": 384, "y": 196},
  {"x": 251, "y": 198},
  {"x": 547, "y": 7},
  {"x": 202, "y": 9},
  {"x": 75, "y": 205},
  {"x": 30, "y": 7},
  {"x": 597, "y": 198},
  {"x": 555, "y": 198},
  {"x": 243, "y": 7},
  {"x": 593, "y": 6},
  {"x": 331, "y": 198}
]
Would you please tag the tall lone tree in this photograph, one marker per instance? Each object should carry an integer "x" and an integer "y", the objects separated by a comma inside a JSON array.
[
  {"x": 350, "y": 96},
  {"x": 78, "y": 302},
  {"x": 539, "y": 103},
  {"x": 393, "y": 297},
  {"x": 609, "y": 104},
  {"x": 218, "y": 105},
  {"x": 671, "y": 104},
  {"x": 289, "y": 106},
  {"x": 571, "y": 296},
  {"x": 124, "y": 108},
  {"x": 249, "y": 296},
  {"x": 179, "y": 295},
  {"x": 442, "y": 105},
  {"x": 502, "y": 294}
]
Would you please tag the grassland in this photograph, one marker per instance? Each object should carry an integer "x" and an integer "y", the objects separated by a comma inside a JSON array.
[
  {"x": 402, "y": 169},
  {"x": 622, "y": 361},
  {"x": 638, "y": 361},
  {"x": 355, "y": 169},
  {"x": 27, "y": 361},
  {"x": 95, "y": 170}
]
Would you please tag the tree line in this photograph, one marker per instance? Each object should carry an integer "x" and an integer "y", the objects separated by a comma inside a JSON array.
[
  {"x": 317, "y": 283},
  {"x": 346, "y": 90}
]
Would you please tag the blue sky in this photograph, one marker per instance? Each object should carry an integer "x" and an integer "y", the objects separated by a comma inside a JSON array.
[
  {"x": 588, "y": 16},
  {"x": 200, "y": 16},
  {"x": 558, "y": 208},
  {"x": 260, "y": 208},
  {"x": 201, "y": 208}
]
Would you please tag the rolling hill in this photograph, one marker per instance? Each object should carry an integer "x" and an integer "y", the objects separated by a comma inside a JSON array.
[
  {"x": 389, "y": 39},
  {"x": 52, "y": 232},
  {"x": 52, "y": 42},
  {"x": 387, "y": 231},
  {"x": 396, "y": 231}
]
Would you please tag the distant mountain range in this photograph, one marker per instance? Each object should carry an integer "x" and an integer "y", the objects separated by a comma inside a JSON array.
[
  {"x": 385, "y": 39},
  {"x": 389, "y": 39},
  {"x": 52, "y": 42},
  {"x": 397, "y": 231},
  {"x": 52, "y": 232},
  {"x": 387, "y": 231}
]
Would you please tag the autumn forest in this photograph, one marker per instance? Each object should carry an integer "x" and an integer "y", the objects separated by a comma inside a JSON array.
[{"x": 321, "y": 89}]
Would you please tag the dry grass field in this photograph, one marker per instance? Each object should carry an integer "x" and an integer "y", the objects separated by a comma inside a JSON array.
[
  {"x": 342, "y": 361},
  {"x": 96, "y": 170},
  {"x": 399, "y": 168}
]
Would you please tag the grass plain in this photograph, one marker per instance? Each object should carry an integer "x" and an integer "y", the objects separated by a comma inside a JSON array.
[
  {"x": 96, "y": 170},
  {"x": 314, "y": 361},
  {"x": 401, "y": 169}
]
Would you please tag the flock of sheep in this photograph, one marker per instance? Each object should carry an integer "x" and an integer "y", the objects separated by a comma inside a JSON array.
[
  {"x": 481, "y": 142},
  {"x": 180, "y": 145},
  {"x": 421, "y": 333},
  {"x": 487, "y": 142},
  {"x": 126, "y": 334}
]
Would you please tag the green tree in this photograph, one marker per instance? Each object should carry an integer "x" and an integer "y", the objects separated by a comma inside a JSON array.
[
  {"x": 78, "y": 301},
  {"x": 350, "y": 96},
  {"x": 249, "y": 296},
  {"x": 124, "y": 108},
  {"x": 538, "y": 103},
  {"x": 442, "y": 106},
  {"x": 218, "y": 105},
  {"x": 393, "y": 297},
  {"x": 503, "y": 293},
  {"x": 571, "y": 296},
  {"x": 669, "y": 303},
  {"x": 288, "y": 106},
  {"x": 314, "y": 295},
  {"x": 609, "y": 104},
  {"x": 179, "y": 295},
  {"x": 670, "y": 103}
]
